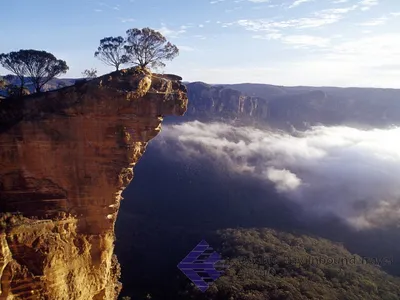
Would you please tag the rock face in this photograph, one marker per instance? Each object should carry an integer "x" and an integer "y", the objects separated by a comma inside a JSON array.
[
  {"x": 65, "y": 158},
  {"x": 217, "y": 102},
  {"x": 284, "y": 107}
]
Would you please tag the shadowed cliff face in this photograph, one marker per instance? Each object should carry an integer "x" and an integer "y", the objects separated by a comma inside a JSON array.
[
  {"x": 65, "y": 158},
  {"x": 287, "y": 107}
]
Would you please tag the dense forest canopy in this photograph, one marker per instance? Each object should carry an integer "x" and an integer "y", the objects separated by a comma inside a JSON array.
[{"x": 268, "y": 264}]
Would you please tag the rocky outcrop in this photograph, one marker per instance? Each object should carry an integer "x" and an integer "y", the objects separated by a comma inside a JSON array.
[{"x": 65, "y": 158}]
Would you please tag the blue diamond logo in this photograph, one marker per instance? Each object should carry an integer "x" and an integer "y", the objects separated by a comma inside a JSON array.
[{"x": 199, "y": 266}]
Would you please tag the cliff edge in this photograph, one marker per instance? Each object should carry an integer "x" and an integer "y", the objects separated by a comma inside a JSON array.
[{"x": 65, "y": 158}]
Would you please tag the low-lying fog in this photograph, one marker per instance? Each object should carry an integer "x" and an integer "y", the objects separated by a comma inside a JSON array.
[{"x": 352, "y": 173}]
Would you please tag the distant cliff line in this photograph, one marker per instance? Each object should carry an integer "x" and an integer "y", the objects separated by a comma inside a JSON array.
[{"x": 286, "y": 107}]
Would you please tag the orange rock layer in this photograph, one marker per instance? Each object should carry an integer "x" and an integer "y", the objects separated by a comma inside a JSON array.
[{"x": 65, "y": 158}]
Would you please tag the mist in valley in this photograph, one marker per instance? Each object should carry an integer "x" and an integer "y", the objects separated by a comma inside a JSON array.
[
  {"x": 347, "y": 172},
  {"x": 335, "y": 182}
]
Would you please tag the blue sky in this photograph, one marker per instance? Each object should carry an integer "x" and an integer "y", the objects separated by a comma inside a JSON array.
[{"x": 284, "y": 42}]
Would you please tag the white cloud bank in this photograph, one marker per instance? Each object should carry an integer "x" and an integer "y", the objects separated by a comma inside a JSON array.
[{"x": 352, "y": 173}]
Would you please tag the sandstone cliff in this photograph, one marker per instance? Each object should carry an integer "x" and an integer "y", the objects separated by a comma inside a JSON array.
[
  {"x": 284, "y": 107},
  {"x": 65, "y": 158}
]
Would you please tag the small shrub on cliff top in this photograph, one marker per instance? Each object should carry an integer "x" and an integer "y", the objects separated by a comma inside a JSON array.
[{"x": 92, "y": 73}]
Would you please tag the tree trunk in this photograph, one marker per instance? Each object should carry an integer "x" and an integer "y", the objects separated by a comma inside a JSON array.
[{"x": 21, "y": 89}]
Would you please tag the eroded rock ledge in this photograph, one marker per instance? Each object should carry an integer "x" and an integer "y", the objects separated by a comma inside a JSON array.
[{"x": 65, "y": 158}]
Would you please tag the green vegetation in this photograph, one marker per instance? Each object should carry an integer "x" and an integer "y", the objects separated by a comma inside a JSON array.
[
  {"x": 142, "y": 47},
  {"x": 39, "y": 66},
  {"x": 112, "y": 52},
  {"x": 11, "y": 90},
  {"x": 148, "y": 47},
  {"x": 266, "y": 264},
  {"x": 92, "y": 73}
]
